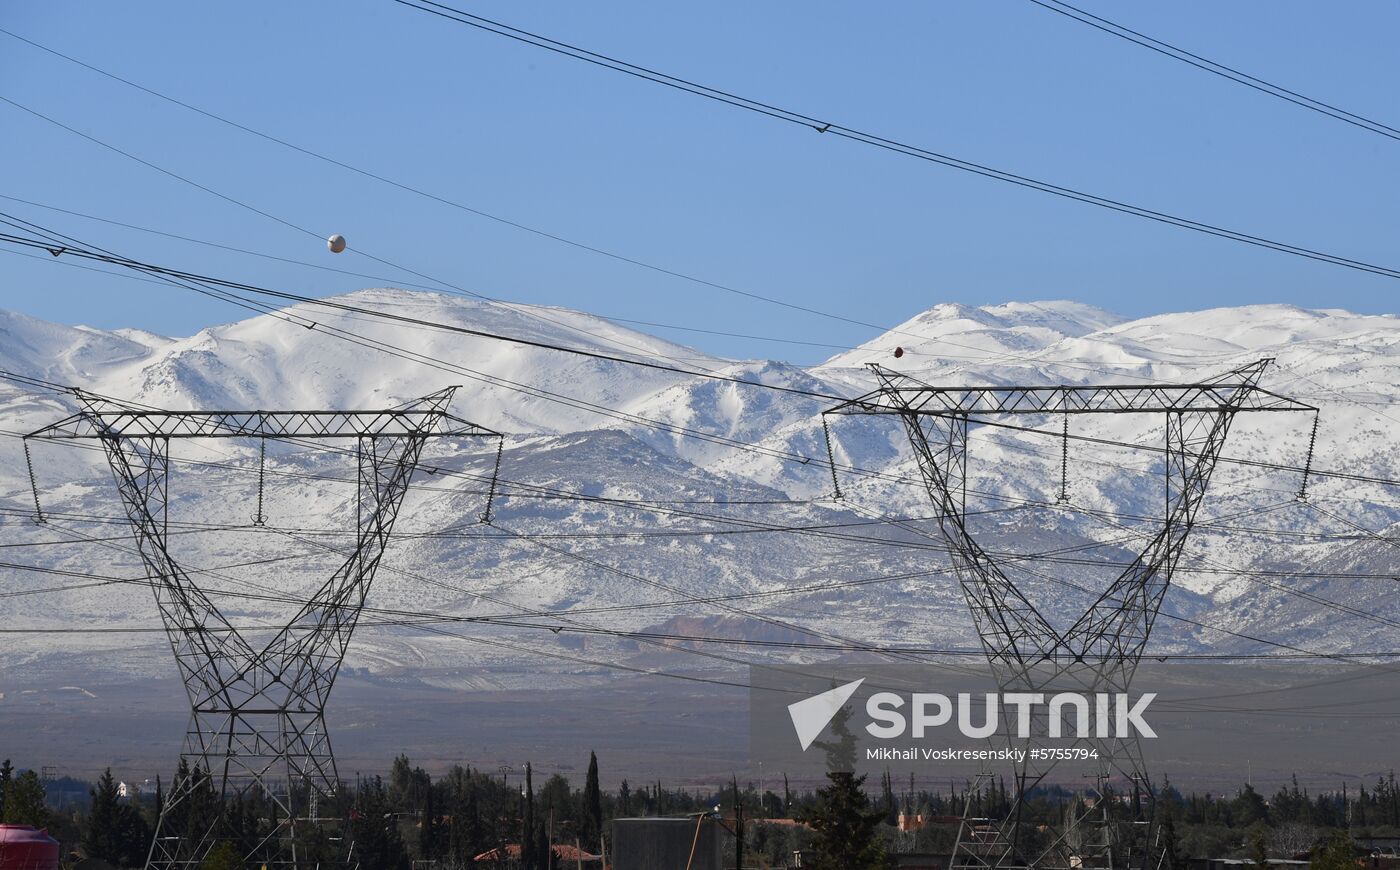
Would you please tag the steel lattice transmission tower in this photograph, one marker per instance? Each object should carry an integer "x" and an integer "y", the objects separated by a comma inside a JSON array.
[
  {"x": 257, "y": 727},
  {"x": 1100, "y": 652}
]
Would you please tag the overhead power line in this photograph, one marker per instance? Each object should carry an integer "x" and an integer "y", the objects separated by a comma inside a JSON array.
[
  {"x": 446, "y": 285},
  {"x": 505, "y": 221},
  {"x": 762, "y": 617},
  {"x": 399, "y": 318},
  {"x": 435, "y": 197},
  {"x": 408, "y": 617},
  {"x": 1049, "y": 556},
  {"x": 395, "y": 282},
  {"x": 829, "y": 127},
  {"x": 1216, "y": 68}
]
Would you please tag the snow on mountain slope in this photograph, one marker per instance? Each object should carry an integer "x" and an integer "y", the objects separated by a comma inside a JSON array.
[
  {"x": 715, "y": 462},
  {"x": 62, "y": 353},
  {"x": 300, "y": 361},
  {"x": 732, "y": 412},
  {"x": 950, "y": 334}
]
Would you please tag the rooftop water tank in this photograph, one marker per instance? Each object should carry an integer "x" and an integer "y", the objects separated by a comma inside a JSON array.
[{"x": 26, "y": 848}]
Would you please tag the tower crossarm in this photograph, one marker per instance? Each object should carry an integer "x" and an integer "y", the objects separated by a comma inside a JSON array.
[
  {"x": 1231, "y": 392},
  {"x": 132, "y": 423}
]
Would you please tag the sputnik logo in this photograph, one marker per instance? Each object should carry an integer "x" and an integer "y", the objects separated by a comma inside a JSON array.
[
  {"x": 1065, "y": 714},
  {"x": 811, "y": 715}
]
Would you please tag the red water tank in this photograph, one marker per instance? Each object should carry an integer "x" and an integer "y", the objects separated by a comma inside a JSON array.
[{"x": 26, "y": 848}]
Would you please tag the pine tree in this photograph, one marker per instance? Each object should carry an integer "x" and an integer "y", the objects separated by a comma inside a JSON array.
[
  {"x": 1258, "y": 849},
  {"x": 845, "y": 827},
  {"x": 464, "y": 839},
  {"x": 24, "y": 801},
  {"x": 401, "y": 783},
  {"x": 116, "y": 832},
  {"x": 222, "y": 857},
  {"x": 100, "y": 838},
  {"x": 1249, "y": 808},
  {"x": 377, "y": 840},
  {"x": 1339, "y": 853},
  {"x": 133, "y": 835},
  {"x": 841, "y": 752},
  {"x": 7, "y": 775},
  {"x": 1171, "y": 839},
  {"x": 591, "y": 821}
]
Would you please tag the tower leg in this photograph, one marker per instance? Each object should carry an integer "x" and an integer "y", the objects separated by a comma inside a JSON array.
[
  {"x": 257, "y": 765},
  {"x": 1113, "y": 826}
]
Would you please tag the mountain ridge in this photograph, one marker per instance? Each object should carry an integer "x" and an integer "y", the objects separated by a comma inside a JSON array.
[{"x": 752, "y": 470}]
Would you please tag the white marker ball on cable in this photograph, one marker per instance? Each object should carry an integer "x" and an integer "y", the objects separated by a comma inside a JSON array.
[{"x": 336, "y": 243}]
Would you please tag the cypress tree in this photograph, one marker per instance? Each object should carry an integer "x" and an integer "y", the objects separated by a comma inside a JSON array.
[
  {"x": 428, "y": 839},
  {"x": 544, "y": 850},
  {"x": 528, "y": 859},
  {"x": 887, "y": 798},
  {"x": 591, "y": 823}
]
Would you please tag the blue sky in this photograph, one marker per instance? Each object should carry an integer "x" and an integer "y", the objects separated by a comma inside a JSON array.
[{"x": 701, "y": 188}]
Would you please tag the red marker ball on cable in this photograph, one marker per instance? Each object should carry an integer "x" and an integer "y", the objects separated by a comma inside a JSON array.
[{"x": 898, "y": 352}]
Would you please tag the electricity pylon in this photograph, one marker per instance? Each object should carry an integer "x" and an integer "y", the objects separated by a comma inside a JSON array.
[
  {"x": 257, "y": 729},
  {"x": 1099, "y": 653}
]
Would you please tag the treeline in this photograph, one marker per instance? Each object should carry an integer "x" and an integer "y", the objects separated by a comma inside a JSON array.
[
  {"x": 517, "y": 818},
  {"x": 1343, "y": 808},
  {"x": 107, "y": 827}
]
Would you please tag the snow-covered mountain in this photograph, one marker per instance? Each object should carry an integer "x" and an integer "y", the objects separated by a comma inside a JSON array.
[{"x": 638, "y": 498}]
